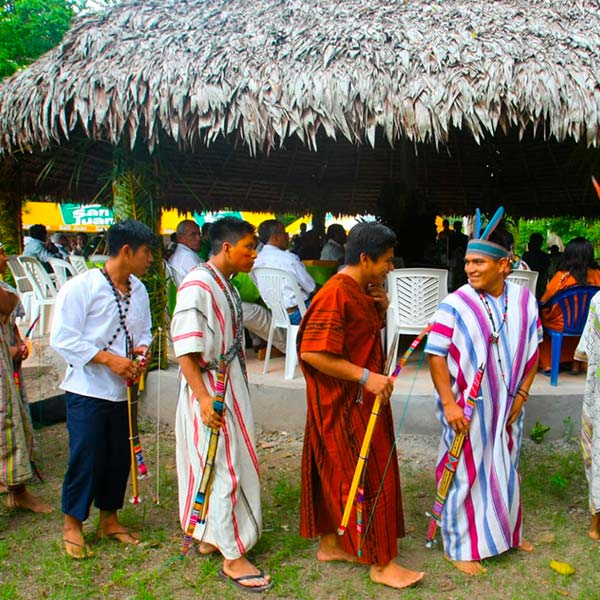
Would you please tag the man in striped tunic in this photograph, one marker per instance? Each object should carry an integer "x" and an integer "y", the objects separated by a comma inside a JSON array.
[
  {"x": 495, "y": 323},
  {"x": 207, "y": 332}
]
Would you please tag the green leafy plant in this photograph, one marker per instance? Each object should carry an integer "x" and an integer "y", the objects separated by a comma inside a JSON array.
[{"x": 538, "y": 431}]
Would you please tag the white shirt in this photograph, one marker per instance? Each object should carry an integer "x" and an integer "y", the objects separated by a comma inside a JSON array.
[
  {"x": 333, "y": 251},
  {"x": 271, "y": 256},
  {"x": 85, "y": 319},
  {"x": 184, "y": 259}
]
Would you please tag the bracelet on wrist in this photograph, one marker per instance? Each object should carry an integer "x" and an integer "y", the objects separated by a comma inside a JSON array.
[
  {"x": 364, "y": 377},
  {"x": 524, "y": 394}
]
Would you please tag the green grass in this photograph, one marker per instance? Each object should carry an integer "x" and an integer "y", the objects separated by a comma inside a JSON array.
[{"x": 33, "y": 564}]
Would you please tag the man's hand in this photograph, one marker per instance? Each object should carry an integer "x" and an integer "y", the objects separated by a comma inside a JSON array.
[
  {"x": 210, "y": 417},
  {"x": 377, "y": 292},
  {"x": 123, "y": 367},
  {"x": 516, "y": 409},
  {"x": 455, "y": 416},
  {"x": 381, "y": 386}
]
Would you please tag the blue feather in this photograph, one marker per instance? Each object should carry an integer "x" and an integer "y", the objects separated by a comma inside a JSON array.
[
  {"x": 477, "y": 223},
  {"x": 495, "y": 220}
]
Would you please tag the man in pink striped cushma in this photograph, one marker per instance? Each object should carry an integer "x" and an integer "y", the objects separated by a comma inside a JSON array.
[
  {"x": 493, "y": 322},
  {"x": 207, "y": 325}
]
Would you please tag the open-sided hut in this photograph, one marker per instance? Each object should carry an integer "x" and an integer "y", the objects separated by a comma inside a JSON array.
[{"x": 293, "y": 105}]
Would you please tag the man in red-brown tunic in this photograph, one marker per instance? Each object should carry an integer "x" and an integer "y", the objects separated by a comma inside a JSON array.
[{"x": 341, "y": 355}]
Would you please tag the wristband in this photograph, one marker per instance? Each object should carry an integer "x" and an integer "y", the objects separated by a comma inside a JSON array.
[
  {"x": 523, "y": 393},
  {"x": 364, "y": 377}
]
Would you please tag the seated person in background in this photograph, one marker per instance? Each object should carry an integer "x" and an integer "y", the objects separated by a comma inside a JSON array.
[
  {"x": 537, "y": 261},
  {"x": 577, "y": 267},
  {"x": 79, "y": 246},
  {"x": 39, "y": 248},
  {"x": 334, "y": 246},
  {"x": 555, "y": 257},
  {"x": 205, "y": 246},
  {"x": 185, "y": 257},
  {"x": 273, "y": 254},
  {"x": 61, "y": 243},
  {"x": 311, "y": 246},
  {"x": 257, "y": 318}
]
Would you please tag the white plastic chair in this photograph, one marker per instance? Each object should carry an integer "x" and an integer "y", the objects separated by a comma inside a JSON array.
[
  {"x": 525, "y": 278},
  {"x": 44, "y": 292},
  {"x": 63, "y": 271},
  {"x": 414, "y": 296},
  {"x": 22, "y": 284},
  {"x": 79, "y": 263},
  {"x": 98, "y": 260},
  {"x": 270, "y": 283}
]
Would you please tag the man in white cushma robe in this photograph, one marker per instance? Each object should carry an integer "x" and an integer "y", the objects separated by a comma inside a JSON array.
[{"x": 207, "y": 326}]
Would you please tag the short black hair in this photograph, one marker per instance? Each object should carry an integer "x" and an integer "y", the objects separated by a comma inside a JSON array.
[
  {"x": 228, "y": 229},
  {"x": 267, "y": 229},
  {"x": 372, "y": 239},
  {"x": 502, "y": 237},
  {"x": 38, "y": 232},
  {"x": 131, "y": 233}
]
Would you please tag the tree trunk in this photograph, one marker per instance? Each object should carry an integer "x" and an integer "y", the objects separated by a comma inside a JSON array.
[
  {"x": 135, "y": 191},
  {"x": 11, "y": 223}
]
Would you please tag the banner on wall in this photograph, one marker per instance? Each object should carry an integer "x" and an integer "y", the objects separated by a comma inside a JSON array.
[{"x": 93, "y": 218}]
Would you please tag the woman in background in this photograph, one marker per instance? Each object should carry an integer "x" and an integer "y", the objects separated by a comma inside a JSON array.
[{"x": 577, "y": 267}]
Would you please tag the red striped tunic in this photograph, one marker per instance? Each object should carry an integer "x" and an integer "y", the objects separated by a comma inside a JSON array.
[{"x": 344, "y": 321}]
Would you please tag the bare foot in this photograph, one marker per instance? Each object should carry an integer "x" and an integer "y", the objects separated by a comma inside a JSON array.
[
  {"x": 395, "y": 576},
  {"x": 3, "y": 489},
  {"x": 27, "y": 501},
  {"x": 594, "y": 531},
  {"x": 525, "y": 546},
  {"x": 468, "y": 567},
  {"x": 246, "y": 573},
  {"x": 330, "y": 550},
  {"x": 204, "y": 548}
]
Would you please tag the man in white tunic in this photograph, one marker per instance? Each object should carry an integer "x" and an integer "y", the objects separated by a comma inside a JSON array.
[
  {"x": 101, "y": 318},
  {"x": 207, "y": 330},
  {"x": 274, "y": 254},
  {"x": 588, "y": 350}
]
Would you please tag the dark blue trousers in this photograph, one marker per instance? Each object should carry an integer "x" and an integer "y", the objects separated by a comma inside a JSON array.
[{"x": 99, "y": 455}]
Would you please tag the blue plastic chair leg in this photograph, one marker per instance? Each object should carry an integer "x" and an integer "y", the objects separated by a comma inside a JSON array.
[{"x": 555, "y": 357}]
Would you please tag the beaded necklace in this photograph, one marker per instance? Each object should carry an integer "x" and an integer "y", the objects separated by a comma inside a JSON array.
[
  {"x": 235, "y": 307},
  {"x": 122, "y": 301},
  {"x": 495, "y": 334}
]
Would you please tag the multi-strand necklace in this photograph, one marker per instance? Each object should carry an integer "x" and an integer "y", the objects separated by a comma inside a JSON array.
[
  {"x": 495, "y": 332},
  {"x": 123, "y": 301}
]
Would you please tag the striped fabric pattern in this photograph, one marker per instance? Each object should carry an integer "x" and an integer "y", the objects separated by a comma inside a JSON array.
[
  {"x": 482, "y": 515},
  {"x": 202, "y": 323},
  {"x": 16, "y": 432},
  {"x": 588, "y": 350}
]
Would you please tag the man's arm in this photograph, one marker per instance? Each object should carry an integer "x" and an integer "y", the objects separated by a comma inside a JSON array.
[
  {"x": 441, "y": 380},
  {"x": 190, "y": 369},
  {"x": 522, "y": 394},
  {"x": 340, "y": 368}
]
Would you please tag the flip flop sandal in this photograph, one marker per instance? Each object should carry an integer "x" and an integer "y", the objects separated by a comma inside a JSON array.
[
  {"x": 237, "y": 581},
  {"x": 113, "y": 535},
  {"x": 87, "y": 551}
]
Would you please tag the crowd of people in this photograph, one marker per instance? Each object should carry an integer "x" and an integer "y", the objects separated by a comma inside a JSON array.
[{"x": 487, "y": 332}]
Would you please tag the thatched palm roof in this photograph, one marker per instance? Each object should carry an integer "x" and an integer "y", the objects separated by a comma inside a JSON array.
[{"x": 186, "y": 74}]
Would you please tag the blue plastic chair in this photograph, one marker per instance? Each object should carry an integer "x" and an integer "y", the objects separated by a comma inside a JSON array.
[{"x": 574, "y": 302}]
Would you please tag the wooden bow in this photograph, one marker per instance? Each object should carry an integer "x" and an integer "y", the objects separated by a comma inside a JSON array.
[
  {"x": 365, "y": 447},
  {"x": 451, "y": 461}
]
